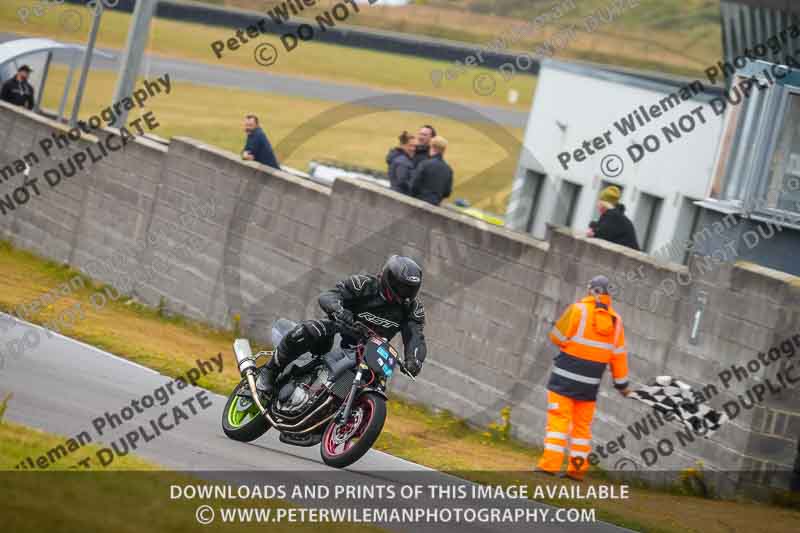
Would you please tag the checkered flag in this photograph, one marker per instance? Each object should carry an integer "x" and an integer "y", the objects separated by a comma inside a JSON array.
[{"x": 668, "y": 395}]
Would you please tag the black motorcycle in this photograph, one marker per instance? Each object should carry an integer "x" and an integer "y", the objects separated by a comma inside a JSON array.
[{"x": 337, "y": 400}]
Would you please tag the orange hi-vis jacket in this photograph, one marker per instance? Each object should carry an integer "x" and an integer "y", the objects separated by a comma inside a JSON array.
[{"x": 590, "y": 336}]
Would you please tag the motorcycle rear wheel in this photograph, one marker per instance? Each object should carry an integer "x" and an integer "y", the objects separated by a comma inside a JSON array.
[
  {"x": 344, "y": 444},
  {"x": 241, "y": 419}
]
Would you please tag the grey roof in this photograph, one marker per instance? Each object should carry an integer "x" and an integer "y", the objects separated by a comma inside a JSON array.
[
  {"x": 11, "y": 50},
  {"x": 637, "y": 78}
]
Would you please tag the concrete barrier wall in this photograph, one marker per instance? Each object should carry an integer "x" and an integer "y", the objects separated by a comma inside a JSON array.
[{"x": 270, "y": 242}]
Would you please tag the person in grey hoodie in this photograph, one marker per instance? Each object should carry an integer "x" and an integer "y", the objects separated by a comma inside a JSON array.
[{"x": 401, "y": 163}]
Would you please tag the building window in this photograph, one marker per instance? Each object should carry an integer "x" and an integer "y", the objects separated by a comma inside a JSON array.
[
  {"x": 783, "y": 182},
  {"x": 688, "y": 222},
  {"x": 731, "y": 132},
  {"x": 744, "y": 155},
  {"x": 758, "y": 167},
  {"x": 648, "y": 211},
  {"x": 568, "y": 198},
  {"x": 680, "y": 247},
  {"x": 533, "y": 190}
]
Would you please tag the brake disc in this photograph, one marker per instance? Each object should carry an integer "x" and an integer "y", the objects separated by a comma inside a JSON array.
[{"x": 350, "y": 428}]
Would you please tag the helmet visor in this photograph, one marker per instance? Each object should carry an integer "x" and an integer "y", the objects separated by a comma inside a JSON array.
[{"x": 404, "y": 289}]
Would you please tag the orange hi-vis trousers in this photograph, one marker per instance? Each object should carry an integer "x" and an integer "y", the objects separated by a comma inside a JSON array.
[{"x": 567, "y": 420}]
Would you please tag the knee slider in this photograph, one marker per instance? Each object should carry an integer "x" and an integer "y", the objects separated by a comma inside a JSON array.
[
  {"x": 293, "y": 344},
  {"x": 309, "y": 336}
]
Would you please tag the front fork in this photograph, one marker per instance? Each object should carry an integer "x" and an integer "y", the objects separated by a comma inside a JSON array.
[{"x": 344, "y": 414}]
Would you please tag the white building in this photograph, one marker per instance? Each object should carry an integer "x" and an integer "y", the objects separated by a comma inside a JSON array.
[{"x": 582, "y": 134}]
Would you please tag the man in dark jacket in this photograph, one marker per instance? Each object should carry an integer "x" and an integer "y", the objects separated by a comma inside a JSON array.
[
  {"x": 257, "y": 147},
  {"x": 613, "y": 225},
  {"x": 17, "y": 90},
  {"x": 424, "y": 136},
  {"x": 401, "y": 164},
  {"x": 386, "y": 302},
  {"x": 433, "y": 178}
]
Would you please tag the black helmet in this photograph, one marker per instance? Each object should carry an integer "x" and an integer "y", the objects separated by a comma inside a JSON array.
[{"x": 400, "y": 279}]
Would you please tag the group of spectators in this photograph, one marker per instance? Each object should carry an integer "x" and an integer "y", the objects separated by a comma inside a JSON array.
[{"x": 417, "y": 166}]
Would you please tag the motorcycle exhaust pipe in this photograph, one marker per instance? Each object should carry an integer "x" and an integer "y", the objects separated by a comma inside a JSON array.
[
  {"x": 247, "y": 368},
  {"x": 244, "y": 356}
]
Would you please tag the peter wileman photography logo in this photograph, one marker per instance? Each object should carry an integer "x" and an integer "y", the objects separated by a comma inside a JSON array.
[
  {"x": 266, "y": 54},
  {"x": 70, "y": 20}
]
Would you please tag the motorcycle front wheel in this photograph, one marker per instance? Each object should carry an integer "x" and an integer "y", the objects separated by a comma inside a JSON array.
[
  {"x": 241, "y": 419},
  {"x": 344, "y": 444}
]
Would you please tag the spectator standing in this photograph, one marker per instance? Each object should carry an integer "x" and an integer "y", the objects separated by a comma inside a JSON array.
[
  {"x": 424, "y": 136},
  {"x": 613, "y": 225},
  {"x": 432, "y": 179},
  {"x": 17, "y": 90},
  {"x": 401, "y": 163},
  {"x": 257, "y": 147}
]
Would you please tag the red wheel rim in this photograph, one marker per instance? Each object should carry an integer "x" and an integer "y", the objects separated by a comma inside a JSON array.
[{"x": 340, "y": 438}]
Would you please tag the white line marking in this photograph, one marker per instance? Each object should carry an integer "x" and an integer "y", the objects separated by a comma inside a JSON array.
[{"x": 51, "y": 333}]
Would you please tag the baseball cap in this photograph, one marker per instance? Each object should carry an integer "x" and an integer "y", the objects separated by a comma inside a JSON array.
[{"x": 599, "y": 284}]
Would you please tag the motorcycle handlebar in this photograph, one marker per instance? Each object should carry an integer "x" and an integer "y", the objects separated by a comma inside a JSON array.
[
  {"x": 360, "y": 330},
  {"x": 364, "y": 332}
]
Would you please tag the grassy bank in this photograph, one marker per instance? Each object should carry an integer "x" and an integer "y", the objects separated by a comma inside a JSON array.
[
  {"x": 676, "y": 36},
  {"x": 437, "y": 440}
]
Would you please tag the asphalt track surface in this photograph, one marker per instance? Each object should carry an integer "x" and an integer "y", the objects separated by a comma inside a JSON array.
[
  {"x": 62, "y": 385},
  {"x": 266, "y": 82}
]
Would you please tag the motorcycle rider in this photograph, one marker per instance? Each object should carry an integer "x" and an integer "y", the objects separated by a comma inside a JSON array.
[{"x": 386, "y": 302}]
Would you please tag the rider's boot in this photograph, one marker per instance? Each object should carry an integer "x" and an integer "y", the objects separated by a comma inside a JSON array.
[
  {"x": 290, "y": 348},
  {"x": 267, "y": 376}
]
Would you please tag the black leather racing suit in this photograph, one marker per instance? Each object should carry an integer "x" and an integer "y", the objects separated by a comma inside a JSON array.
[{"x": 361, "y": 295}]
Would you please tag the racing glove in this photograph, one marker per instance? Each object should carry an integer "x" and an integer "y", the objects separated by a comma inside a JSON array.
[
  {"x": 344, "y": 319},
  {"x": 412, "y": 364}
]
